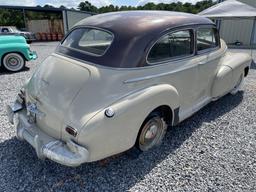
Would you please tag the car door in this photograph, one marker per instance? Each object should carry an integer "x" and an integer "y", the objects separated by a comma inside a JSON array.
[
  {"x": 174, "y": 52},
  {"x": 208, "y": 54}
]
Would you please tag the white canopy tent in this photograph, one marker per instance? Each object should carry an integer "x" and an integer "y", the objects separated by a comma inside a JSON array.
[
  {"x": 232, "y": 9},
  {"x": 229, "y": 8}
]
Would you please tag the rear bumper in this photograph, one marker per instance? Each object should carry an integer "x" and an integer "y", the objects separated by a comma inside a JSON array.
[{"x": 66, "y": 153}]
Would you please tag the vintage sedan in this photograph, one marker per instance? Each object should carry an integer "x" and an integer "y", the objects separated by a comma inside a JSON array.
[
  {"x": 14, "y": 52},
  {"x": 12, "y": 30},
  {"x": 117, "y": 81}
]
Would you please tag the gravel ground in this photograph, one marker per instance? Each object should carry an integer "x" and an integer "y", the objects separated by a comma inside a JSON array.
[{"x": 214, "y": 150}]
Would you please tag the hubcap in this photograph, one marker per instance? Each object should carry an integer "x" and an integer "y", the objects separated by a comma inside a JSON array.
[
  {"x": 13, "y": 62},
  {"x": 151, "y": 133}
]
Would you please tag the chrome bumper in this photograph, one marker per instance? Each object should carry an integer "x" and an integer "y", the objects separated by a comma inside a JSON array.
[
  {"x": 66, "y": 153},
  {"x": 32, "y": 55}
]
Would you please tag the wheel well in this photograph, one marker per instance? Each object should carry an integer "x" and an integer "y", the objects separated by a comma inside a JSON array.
[
  {"x": 246, "y": 71},
  {"x": 166, "y": 113}
]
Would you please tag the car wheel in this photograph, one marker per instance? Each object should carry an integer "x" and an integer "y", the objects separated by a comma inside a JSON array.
[
  {"x": 13, "y": 62},
  {"x": 238, "y": 85},
  {"x": 152, "y": 132}
]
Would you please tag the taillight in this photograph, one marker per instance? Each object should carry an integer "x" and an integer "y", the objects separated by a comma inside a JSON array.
[
  {"x": 72, "y": 131},
  {"x": 21, "y": 98}
]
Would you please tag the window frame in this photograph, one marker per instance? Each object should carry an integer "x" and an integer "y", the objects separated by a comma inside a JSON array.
[
  {"x": 86, "y": 52},
  {"x": 217, "y": 36},
  {"x": 191, "y": 28}
]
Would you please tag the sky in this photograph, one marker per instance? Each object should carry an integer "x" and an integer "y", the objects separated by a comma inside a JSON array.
[{"x": 97, "y": 3}]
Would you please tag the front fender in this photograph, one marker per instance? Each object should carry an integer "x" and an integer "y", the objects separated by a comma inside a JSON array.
[
  {"x": 232, "y": 65},
  {"x": 16, "y": 48},
  {"x": 222, "y": 82},
  {"x": 105, "y": 136}
]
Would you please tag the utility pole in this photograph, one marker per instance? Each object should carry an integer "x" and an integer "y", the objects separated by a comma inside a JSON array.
[{"x": 24, "y": 18}]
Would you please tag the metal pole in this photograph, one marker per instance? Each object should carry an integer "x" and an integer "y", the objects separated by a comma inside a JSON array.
[
  {"x": 253, "y": 38},
  {"x": 218, "y": 21},
  {"x": 65, "y": 20},
  {"x": 24, "y": 18}
]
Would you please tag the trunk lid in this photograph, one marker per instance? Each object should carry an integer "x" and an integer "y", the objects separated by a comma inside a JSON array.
[{"x": 53, "y": 87}]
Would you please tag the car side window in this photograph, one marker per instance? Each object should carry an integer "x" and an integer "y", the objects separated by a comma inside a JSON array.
[
  {"x": 5, "y": 30},
  {"x": 173, "y": 45},
  {"x": 207, "y": 38}
]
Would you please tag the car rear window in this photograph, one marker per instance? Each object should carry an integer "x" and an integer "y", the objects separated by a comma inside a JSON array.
[{"x": 89, "y": 40}]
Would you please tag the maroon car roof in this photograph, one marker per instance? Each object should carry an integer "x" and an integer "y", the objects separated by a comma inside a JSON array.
[
  {"x": 133, "y": 31},
  {"x": 139, "y": 22}
]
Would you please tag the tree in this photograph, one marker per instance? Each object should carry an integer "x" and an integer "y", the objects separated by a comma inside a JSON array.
[
  {"x": 48, "y": 6},
  {"x": 11, "y": 17},
  {"x": 178, "y": 6},
  {"x": 63, "y": 7},
  {"x": 87, "y": 6}
]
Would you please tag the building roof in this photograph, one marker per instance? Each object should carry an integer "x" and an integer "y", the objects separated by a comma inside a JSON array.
[{"x": 229, "y": 9}]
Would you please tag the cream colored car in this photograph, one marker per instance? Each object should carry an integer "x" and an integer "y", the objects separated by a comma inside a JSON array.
[{"x": 117, "y": 80}]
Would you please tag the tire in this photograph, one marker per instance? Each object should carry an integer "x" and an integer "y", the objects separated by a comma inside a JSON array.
[
  {"x": 13, "y": 62},
  {"x": 238, "y": 85},
  {"x": 152, "y": 132}
]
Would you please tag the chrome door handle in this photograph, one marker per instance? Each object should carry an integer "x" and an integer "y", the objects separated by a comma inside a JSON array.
[{"x": 202, "y": 62}]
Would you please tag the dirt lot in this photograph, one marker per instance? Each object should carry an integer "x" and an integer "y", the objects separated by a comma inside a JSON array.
[{"x": 214, "y": 150}]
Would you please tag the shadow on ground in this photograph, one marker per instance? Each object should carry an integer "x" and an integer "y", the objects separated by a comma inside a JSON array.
[
  {"x": 23, "y": 171},
  {"x": 5, "y": 72}
]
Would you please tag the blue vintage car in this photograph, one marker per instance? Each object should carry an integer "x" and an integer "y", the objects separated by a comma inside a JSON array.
[{"x": 14, "y": 52}]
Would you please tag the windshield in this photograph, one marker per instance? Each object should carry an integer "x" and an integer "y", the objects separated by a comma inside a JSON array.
[
  {"x": 89, "y": 40},
  {"x": 14, "y": 29}
]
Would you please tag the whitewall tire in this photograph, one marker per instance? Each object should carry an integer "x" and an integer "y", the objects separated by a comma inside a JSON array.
[{"x": 13, "y": 62}]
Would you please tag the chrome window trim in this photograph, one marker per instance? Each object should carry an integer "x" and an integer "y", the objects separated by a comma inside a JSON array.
[
  {"x": 172, "y": 58},
  {"x": 86, "y": 52},
  {"x": 208, "y": 50}
]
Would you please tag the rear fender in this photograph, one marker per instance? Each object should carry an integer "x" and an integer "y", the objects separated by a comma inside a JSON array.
[{"x": 105, "y": 136}]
